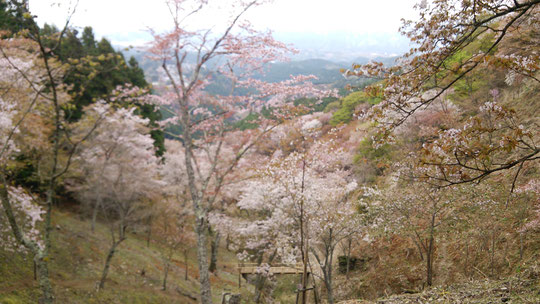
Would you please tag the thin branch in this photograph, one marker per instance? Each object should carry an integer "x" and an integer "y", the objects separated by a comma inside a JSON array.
[{"x": 513, "y": 185}]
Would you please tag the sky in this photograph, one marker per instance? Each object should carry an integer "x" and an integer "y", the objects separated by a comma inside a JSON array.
[{"x": 350, "y": 25}]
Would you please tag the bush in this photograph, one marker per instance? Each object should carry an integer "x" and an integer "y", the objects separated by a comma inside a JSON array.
[
  {"x": 342, "y": 262},
  {"x": 348, "y": 105}
]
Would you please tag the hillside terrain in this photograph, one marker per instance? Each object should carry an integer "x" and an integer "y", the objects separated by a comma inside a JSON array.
[
  {"x": 79, "y": 257},
  {"x": 410, "y": 180},
  {"x": 136, "y": 272},
  {"x": 513, "y": 290}
]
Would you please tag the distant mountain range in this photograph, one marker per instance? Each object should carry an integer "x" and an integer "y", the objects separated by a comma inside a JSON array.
[
  {"x": 320, "y": 54},
  {"x": 327, "y": 71}
]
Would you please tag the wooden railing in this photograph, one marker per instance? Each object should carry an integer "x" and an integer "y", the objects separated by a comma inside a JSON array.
[
  {"x": 251, "y": 268},
  {"x": 276, "y": 268}
]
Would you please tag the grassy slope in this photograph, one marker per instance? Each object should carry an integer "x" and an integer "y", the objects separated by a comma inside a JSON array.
[{"x": 77, "y": 259}]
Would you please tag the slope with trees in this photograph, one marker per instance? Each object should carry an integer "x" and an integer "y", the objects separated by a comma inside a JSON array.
[{"x": 427, "y": 177}]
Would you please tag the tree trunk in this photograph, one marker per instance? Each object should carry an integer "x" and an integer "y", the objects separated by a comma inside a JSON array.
[
  {"x": 40, "y": 256},
  {"x": 261, "y": 280},
  {"x": 202, "y": 256},
  {"x": 149, "y": 234},
  {"x": 419, "y": 247},
  {"x": 95, "y": 213},
  {"x": 315, "y": 289},
  {"x": 108, "y": 263},
  {"x": 430, "y": 248},
  {"x": 259, "y": 285},
  {"x": 328, "y": 285},
  {"x": 166, "y": 273},
  {"x": 228, "y": 242},
  {"x": 327, "y": 267},
  {"x": 429, "y": 261},
  {"x": 201, "y": 213},
  {"x": 305, "y": 294},
  {"x": 214, "y": 252},
  {"x": 349, "y": 243},
  {"x": 43, "y": 279},
  {"x": 186, "y": 263},
  {"x": 329, "y": 288},
  {"x": 303, "y": 239}
]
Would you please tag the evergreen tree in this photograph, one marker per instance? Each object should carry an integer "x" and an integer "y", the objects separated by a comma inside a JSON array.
[
  {"x": 89, "y": 41},
  {"x": 71, "y": 47},
  {"x": 136, "y": 74},
  {"x": 12, "y": 16},
  {"x": 96, "y": 68}
]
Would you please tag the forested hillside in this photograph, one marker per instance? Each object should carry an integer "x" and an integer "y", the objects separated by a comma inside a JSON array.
[{"x": 407, "y": 181}]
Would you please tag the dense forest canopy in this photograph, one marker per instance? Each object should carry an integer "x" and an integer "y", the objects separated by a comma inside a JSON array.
[{"x": 235, "y": 177}]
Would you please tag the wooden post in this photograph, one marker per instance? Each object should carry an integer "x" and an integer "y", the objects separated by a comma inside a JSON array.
[{"x": 239, "y": 276}]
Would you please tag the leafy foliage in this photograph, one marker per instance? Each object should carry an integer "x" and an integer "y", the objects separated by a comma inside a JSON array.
[{"x": 347, "y": 106}]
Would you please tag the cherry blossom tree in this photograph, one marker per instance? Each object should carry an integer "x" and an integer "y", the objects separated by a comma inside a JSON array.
[
  {"x": 452, "y": 41},
  {"x": 301, "y": 206},
  {"x": 18, "y": 207},
  {"x": 489, "y": 142},
  {"x": 34, "y": 77},
  {"x": 190, "y": 57},
  {"x": 419, "y": 214},
  {"x": 119, "y": 169},
  {"x": 336, "y": 220},
  {"x": 173, "y": 215}
]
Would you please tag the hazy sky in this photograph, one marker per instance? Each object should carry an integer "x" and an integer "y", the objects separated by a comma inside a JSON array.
[{"x": 126, "y": 21}]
